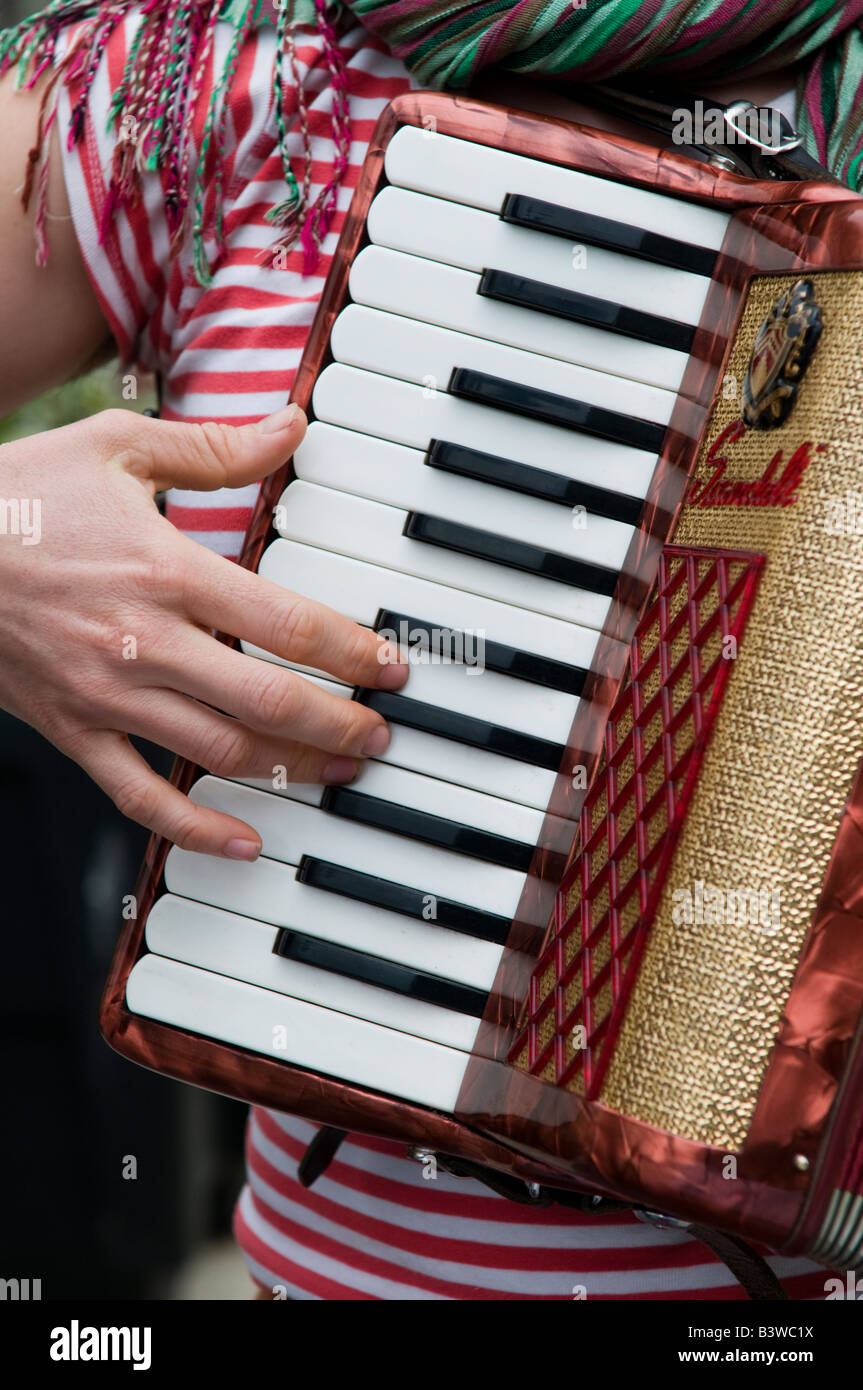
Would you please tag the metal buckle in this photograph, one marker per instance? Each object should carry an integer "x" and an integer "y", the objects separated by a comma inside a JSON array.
[
  {"x": 660, "y": 1221},
  {"x": 735, "y": 111}
]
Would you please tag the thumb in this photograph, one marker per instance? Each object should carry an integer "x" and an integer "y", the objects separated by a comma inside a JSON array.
[{"x": 211, "y": 455}]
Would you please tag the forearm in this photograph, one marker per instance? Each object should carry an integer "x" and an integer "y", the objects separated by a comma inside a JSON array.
[{"x": 51, "y": 325}]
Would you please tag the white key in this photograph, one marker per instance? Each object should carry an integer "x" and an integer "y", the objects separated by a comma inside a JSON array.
[
  {"x": 351, "y": 525},
  {"x": 443, "y": 758},
  {"x": 515, "y": 704},
  {"x": 398, "y": 476},
  {"x": 406, "y": 788},
  {"x": 384, "y": 471},
  {"x": 290, "y": 829},
  {"x": 498, "y": 815},
  {"x": 290, "y": 1030},
  {"x": 465, "y": 766},
  {"x": 531, "y": 709},
  {"x": 360, "y": 590},
  {"x": 413, "y": 415},
  {"x": 481, "y": 176},
  {"x": 442, "y": 294},
  {"x": 242, "y": 949},
  {"x": 411, "y": 351},
  {"x": 473, "y": 240},
  {"x": 270, "y": 892}
]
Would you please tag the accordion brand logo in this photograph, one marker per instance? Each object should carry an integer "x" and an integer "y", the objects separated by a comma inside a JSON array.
[
  {"x": 776, "y": 487},
  {"x": 782, "y": 352}
]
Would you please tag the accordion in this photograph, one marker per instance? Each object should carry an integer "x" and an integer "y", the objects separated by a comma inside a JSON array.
[{"x": 587, "y": 439}]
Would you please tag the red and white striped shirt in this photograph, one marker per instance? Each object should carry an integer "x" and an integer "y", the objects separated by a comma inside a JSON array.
[{"x": 373, "y": 1226}]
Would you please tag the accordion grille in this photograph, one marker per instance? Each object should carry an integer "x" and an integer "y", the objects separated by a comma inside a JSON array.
[
  {"x": 681, "y": 986},
  {"x": 679, "y": 666}
]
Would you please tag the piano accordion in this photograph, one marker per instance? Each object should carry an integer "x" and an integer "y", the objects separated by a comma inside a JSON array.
[{"x": 587, "y": 435}]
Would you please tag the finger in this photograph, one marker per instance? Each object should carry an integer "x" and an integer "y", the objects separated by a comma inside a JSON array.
[
  {"x": 271, "y": 699},
  {"x": 226, "y": 747},
  {"x": 203, "y": 456},
  {"x": 141, "y": 794},
  {"x": 245, "y": 605}
]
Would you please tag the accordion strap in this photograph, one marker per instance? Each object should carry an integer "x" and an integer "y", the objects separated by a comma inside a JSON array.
[
  {"x": 750, "y": 1269},
  {"x": 742, "y": 149},
  {"x": 747, "y": 1266}
]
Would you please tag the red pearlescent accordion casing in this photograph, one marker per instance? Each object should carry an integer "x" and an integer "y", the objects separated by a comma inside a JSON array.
[{"x": 676, "y": 1019}]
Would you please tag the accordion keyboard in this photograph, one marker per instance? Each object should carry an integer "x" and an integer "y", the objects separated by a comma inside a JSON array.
[{"x": 482, "y": 440}]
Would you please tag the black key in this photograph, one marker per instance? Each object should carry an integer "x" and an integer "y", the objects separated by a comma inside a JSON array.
[
  {"x": 502, "y": 550},
  {"x": 383, "y": 974},
  {"x": 584, "y": 308},
  {"x": 497, "y": 656},
  {"x": 463, "y": 728},
  {"x": 535, "y": 482},
  {"x": 432, "y": 830},
  {"x": 514, "y": 396},
  {"x": 396, "y": 897},
  {"x": 612, "y": 236}
]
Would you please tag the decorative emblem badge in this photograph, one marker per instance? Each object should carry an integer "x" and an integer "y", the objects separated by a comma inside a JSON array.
[{"x": 782, "y": 352}]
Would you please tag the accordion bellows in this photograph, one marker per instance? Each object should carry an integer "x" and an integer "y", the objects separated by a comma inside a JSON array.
[{"x": 675, "y": 1019}]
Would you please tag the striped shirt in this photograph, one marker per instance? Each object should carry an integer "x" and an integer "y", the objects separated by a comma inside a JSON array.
[{"x": 376, "y": 1225}]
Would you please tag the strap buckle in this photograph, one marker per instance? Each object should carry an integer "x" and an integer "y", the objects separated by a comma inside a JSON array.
[
  {"x": 659, "y": 1220},
  {"x": 750, "y": 146},
  {"x": 734, "y": 114}
]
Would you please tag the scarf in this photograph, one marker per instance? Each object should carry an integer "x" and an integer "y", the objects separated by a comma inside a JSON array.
[{"x": 443, "y": 44}]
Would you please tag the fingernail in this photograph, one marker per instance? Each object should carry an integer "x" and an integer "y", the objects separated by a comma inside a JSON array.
[
  {"x": 378, "y": 742},
  {"x": 283, "y": 419},
  {"x": 340, "y": 770},
  {"x": 242, "y": 849},
  {"x": 393, "y": 677}
]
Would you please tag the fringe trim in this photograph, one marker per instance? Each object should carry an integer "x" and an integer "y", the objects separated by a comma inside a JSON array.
[{"x": 153, "y": 107}]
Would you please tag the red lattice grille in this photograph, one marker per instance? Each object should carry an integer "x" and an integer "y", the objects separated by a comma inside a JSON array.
[{"x": 680, "y": 661}]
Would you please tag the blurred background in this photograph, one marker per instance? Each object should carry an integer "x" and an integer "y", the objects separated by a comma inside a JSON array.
[{"x": 74, "y": 1112}]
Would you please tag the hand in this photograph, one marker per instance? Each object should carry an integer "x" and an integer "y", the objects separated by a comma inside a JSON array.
[{"x": 105, "y": 624}]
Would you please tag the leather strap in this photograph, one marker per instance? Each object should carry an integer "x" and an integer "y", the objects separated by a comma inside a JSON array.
[
  {"x": 659, "y": 109},
  {"x": 320, "y": 1154},
  {"x": 748, "y": 1267}
]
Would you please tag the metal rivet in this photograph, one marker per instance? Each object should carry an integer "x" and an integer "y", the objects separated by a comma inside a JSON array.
[
  {"x": 534, "y": 1190},
  {"x": 721, "y": 161},
  {"x": 421, "y": 1155},
  {"x": 801, "y": 1163}
]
